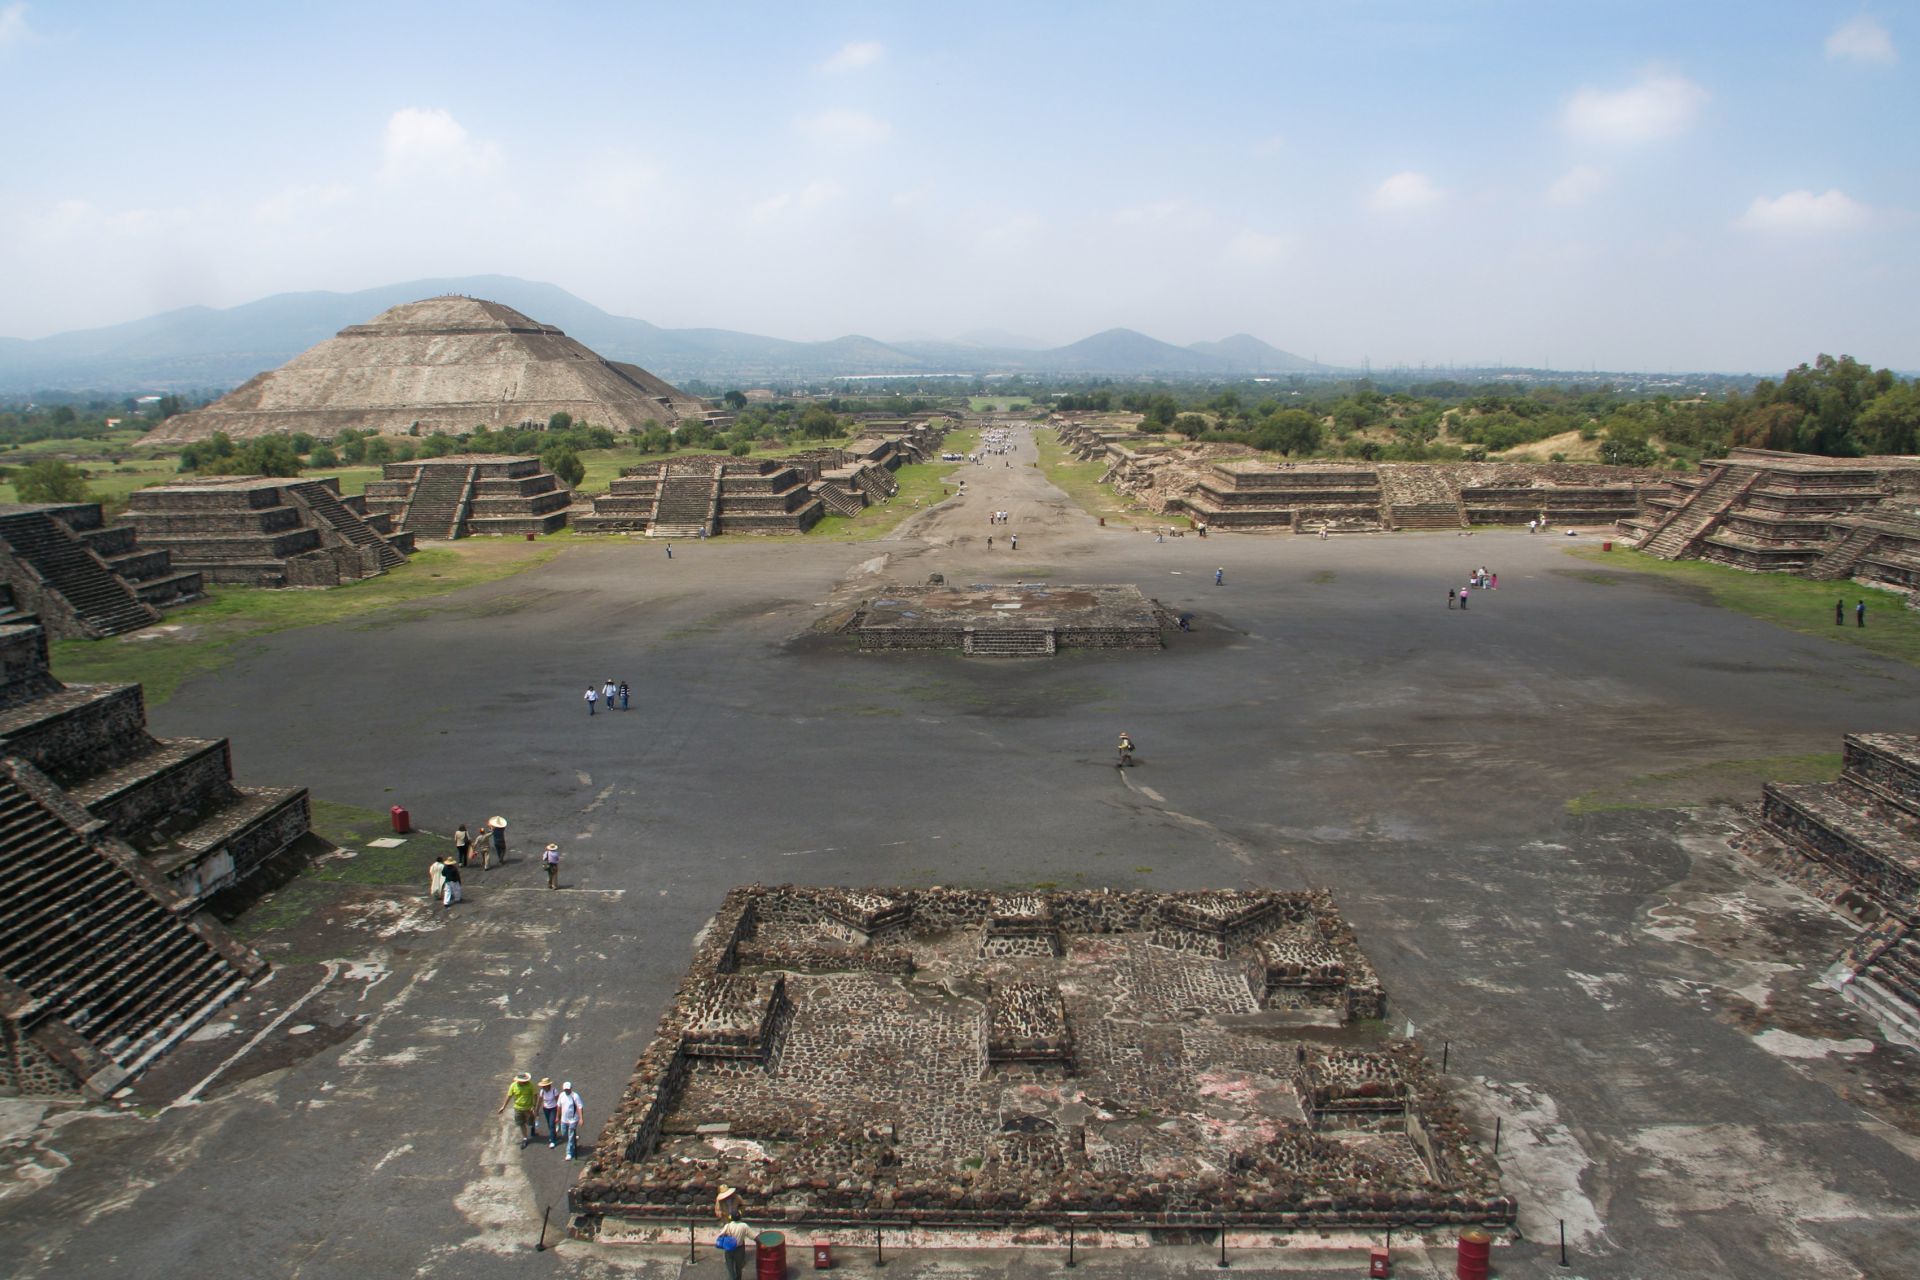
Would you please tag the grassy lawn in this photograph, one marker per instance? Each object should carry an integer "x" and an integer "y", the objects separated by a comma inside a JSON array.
[
  {"x": 1081, "y": 482},
  {"x": 204, "y": 637},
  {"x": 997, "y": 404},
  {"x": 921, "y": 487},
  {"x": 1892, "y": 630},
  {"x": 1721, "y": 781}
]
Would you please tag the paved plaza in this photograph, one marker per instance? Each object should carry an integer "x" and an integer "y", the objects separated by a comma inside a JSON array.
[{"x": 1635, "y": 1006}]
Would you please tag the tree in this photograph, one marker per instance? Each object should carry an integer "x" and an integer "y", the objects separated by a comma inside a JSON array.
[
  {"x": 565, "y": 463},
  {"x": 1291, "y": 431},
  {"x": 323, "y": 456},
  {"x": 735, "y": 400},
  {"x": 560, "y": 421},
  {"x": 50, "y": 480},
  {"x": 1190, "y": 425},
  {"x": 1891, "y": 424}
]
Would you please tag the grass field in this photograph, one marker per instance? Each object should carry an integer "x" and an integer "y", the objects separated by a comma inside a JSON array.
[
  {"x": 921, "y": 486},
  {"x": 1081, "y": 482},
  {"x": 1892, "y": 630},
  {"x": 998, "y": 404},
  {"x": 203, "y": 637}
]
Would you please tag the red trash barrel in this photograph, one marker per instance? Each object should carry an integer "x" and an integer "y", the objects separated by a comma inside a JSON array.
[
  {"x": 770, "y": 1260},
  {"x": 1606, "y": 546},
  {"x": 1472, "y": 1257},
  {"x": 402, "y": 820},
  {"x": 1378, "y": 1268},
  {"x": 823, "y": 1255}
]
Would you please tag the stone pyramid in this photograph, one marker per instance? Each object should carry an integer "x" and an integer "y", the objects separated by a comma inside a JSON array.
[{"x": 446, "y": 364}]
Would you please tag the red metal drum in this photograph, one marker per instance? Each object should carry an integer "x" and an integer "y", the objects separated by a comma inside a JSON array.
[
  {"x": 770, "y": 1256},
  {"x": 1473, "y": 1256}
]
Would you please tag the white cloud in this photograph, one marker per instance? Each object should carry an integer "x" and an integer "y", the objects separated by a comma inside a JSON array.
[
  {"x": 1863, "y": 40},
  {"x": 1578, "y": 185},
  {"x": 1403, "y": 191},
  {"x": 843, "y": 128},
  {"x": 854, "y": 56},
  {"x": 811, "y": 196},
  {"x": 284, "y": 206},
  {"x": 1659, "y": 106},
  {"x": 429, "y": 142},
  {"x": 1798, "y": 211},
  {"x": 13, "y": 25},
  {"x": 1174, "y": 213},
  {"x": 1257, "y": 248}
]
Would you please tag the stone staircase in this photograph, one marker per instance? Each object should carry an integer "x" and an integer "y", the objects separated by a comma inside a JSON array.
[
  {"x": 837, "y": 500},
  {"x": 1009, "y": 644},
  {"x": 325, "y": 504},
  {"x": 1420, "y": 498},
  {"x": 91, "y": 944},
  {"x": 1686, "y": 525},
  {"x": 437, "y": 507},
  {"x": 687, "y": 499},
  {"x": 101, "y": 603}
]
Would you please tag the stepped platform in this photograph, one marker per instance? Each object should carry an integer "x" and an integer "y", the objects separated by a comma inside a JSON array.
[
  {"x": 679, "y": 497},
  {"x": 265, "y": 531},
  {"x": 1863, "y": 829},
  {"x": 1079, "y": 1069},
  {"x": 1001, "y": 620},
  {"x": 82, "y": 578},
  {"x": 469, "y": 495},
  {"x": 174, "y": 802}
]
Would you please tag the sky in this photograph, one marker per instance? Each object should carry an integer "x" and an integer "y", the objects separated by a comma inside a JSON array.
[{"x": 1593, "y": 184}]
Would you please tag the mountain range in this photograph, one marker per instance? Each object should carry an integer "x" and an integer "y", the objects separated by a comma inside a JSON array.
[{"x": 206, "y": 348}]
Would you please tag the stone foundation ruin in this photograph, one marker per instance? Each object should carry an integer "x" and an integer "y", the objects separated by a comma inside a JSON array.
[
  {"x": 959, "y": 1061},
  {"x": 465, "y": 495},
  {"x": 261, "y": 531},
  {"x": 1019, "y": 620}
]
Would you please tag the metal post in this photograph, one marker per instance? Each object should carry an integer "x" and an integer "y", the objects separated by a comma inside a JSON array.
[
  {"x": 1496, "y": 1135},
  {"x": 1223, "y": 1243},
  {"x": 691, "y": 1256},
  {"x": 1563, "y": 1242},
  {"x": 879, "y": 1250},
  {"x": 1070, "y": 1258},
  {"x": 546, "y": 1213}
]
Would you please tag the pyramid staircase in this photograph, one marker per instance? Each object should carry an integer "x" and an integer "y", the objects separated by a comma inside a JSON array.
[
  {"x": 99, "y": 970},
  {"x": 1009, "y": 643},
  {"x": 1688, "y": 524},
  {"x": 326, "y": 504},
  {"x": 687, "y": 500},
  {"x": 101, "y": 603},
  {"x": 438, "y": 504},
  {"x": 1419, "y": 498}
]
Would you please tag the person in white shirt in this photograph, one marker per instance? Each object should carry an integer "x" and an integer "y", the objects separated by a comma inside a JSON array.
[{"x": 573, "y": 1114}]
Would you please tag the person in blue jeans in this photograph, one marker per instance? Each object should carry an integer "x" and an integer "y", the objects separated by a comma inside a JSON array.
[{"x": 573, "y": 1114}]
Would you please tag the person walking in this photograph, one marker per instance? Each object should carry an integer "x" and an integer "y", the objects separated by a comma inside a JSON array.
[
  {"x": 1219, "y": 577},
  {"x": 669, "y": 551},
  {"x": 462, "y": 844},
  {"x": 607, "y": 692},
  {"x": 1839, "y": 613},
  {"x": 1450, "y": 597},
  {"x": 550, "y": 1108},
  {"x": 593, "y": 696},
  {"x": 551, "y": 860},
  {"x": 573, "y": 1114},
  {"x": 497, "y": 837},
  {"x": 1860, "y": 614},
  {"x": 1013, "y": 541},
  {"x": 436, "y": 879},
  {"x": 733, "y": 1241},
  {"x": 623, "y": 695},
  {"x": 523, "y": 1095},
  {"x": 450, "y": 881},
  {"x": 1463, "y": 599},
  {"x": 1493, "y": 581}
]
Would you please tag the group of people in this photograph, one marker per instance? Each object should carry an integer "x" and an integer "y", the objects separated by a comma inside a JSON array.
[
  {"x": 1477, "y": 580},
  {"x": 608, "y": 693},
  {"x": 487, "y": 847},
  {"x": 999, "y": 517},
  {"x": 560, "y": 1107}
]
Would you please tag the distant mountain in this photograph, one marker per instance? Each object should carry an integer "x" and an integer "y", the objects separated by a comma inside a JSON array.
[
  {"x": 1247, "y": 354},
  {"x": 209, "y": 348}
]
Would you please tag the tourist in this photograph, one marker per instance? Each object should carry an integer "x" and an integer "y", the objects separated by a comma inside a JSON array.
[
  {"x": 462, "y": 844},
  {"x": 1840, "y": 613},
  {"x": 1219, "y": 577},
  {"x": 989, "y": 542},
  {"x": 607, "y": 692},
  {"x": 1860, "y": 613},
  {"x": 551, "y": 860},
  {"x": 593, "y": 696},
  {"x": 1463, "y": 598},
  {"x": 726, "y": 1203},
  {"x": 436, "y": 872},
  {"x": 669, "y": 551},
  {"x": 573, "y": 1114},
  {"x": 1493, "y": 582},
  {"x": 497, "y": 836},
  {"x": 550, "y": 1108},
  {"x": 1013, "y": 541},
  {"x": 733, "y": 1240},
  {"x": 623, "y": 695},
  {"x": 524, "y": 1096},
  {"x": 1450, "y": 595},
  {"x": 450, "y": 882}
]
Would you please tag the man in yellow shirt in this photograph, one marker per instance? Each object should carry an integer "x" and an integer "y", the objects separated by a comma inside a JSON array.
[{"x": 525, "y": 1097}]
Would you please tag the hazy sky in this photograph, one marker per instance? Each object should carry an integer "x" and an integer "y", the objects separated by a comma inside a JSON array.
[{"x": 1630, "y": 185}]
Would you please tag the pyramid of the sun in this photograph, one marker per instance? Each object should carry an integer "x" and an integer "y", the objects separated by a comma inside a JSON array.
[{"x": 443, "y": 364}]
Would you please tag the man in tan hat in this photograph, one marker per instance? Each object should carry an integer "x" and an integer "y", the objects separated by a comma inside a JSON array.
[
  {"x": 551, "y": 860},
  {"x": 525, "y": 1096},
  {"x": 497, "y": 837}
]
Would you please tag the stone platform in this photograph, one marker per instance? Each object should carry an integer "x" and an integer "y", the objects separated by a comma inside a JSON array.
[
  {"x": 1005, "y": 620},
  {"x": 941, "y": 1060}
]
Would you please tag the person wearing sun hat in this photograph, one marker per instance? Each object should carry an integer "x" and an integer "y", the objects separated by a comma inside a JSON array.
[
  {"x": 525, "y": 1096},
  {"x": 497, "y": 833},
  {"x": 550, "y": 1108}
]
